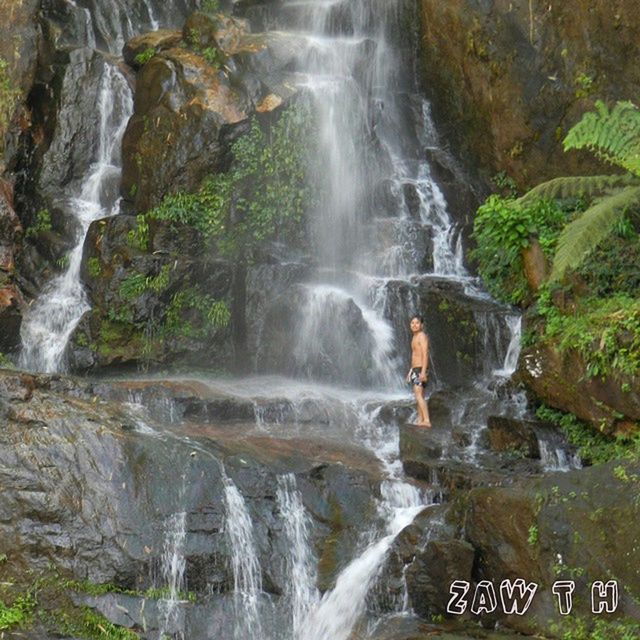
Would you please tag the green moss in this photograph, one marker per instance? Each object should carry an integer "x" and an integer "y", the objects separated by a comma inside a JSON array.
[
  {"x": 87, "y": 624},
  {"x": 93, "y": 267},
  {"x": 42, "y": 223},
  {"x": 8, "y": 98},
  {"x": 604, "y": 331},
  {"x": 17, "y": 614},
  {"x": 593, "y": 628},
  {"x": 144, "y": 56},
  {"x": 593, "y": 447}
]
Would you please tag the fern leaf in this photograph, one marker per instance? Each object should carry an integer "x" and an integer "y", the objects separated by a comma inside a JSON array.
[
  {"x": 613, "y": 136},
  {"x": 579, "y": 187},
  {"x": 582, "y": 235}
]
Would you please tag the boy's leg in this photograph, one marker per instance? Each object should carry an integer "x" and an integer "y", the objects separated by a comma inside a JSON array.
[{"x": 423, "y": 412}]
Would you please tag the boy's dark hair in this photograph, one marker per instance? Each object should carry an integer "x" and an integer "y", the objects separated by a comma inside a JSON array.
[{"x": 420, "y": 319}]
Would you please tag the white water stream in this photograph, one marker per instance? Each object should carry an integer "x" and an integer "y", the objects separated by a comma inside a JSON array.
[{"x": 53, "y": 317}]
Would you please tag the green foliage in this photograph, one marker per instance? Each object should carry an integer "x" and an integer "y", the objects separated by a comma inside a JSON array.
[
  {"x": 8, "y": 97},
  {"x": 505, "y": 183},
  {"x": 136, "y": 284},
  {"x": 584, "y": 85},
  {"x": 89, "y": 625},
  {"x": 138, "y": 237},
  {"x": 144, "y": 56},
  {"x": 584, "y": 187},
  {"x": 210, "y": 6},
  {"x": 613, "y": 136},
  {"x": 614, "y": 265},
  {"x": 605, "y": 331},
  {"x": 210, "y": 314},
  {"x": 262, "y": 196},
  {"x": 93, "y": 267},
  {"x": 213, "y": 56},
  {"x": 6, "y": 363},
  {"x": 582, "y": 235},
  {"x": 503, "y": 228},
  {"x": 19, "y": 613},
  {"x": 533, "y": 535},
  {"x": 572, "y": 628},
  {"x": 593, "y": 447},
  {"x": 41, "y": 224}
]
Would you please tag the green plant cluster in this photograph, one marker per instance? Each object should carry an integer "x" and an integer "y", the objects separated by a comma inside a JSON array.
[
  {"x": 144, "y": 56},
  {"x": 87, "y": 624},
  {"x": 213, "y": 56},
  {"x": 605, "y": 331},
  {"x": 210, "y": 314},
  {"x": 572, "y": 628},
  {"x": 593, "y": 447},
  {"x": 136, "y": 284},
  {"x": 18, "y": 614},
  {"x": 503, "y": 228},
  {"x": 263, "y": 195},
  {"x": 42, "y": 224}
]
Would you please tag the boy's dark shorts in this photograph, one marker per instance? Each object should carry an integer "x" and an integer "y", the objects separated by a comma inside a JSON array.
[{"x": 415, "y": 377}]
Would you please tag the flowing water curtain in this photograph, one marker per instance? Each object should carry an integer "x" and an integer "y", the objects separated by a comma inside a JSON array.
[
  {"x": 247, "y": 575},
  {"x": 52, "y": 319},
  {"x": 301, "y": 572}
]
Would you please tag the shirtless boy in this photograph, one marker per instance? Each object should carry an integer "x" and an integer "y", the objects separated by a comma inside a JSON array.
[{"x": 417, "y": 375}]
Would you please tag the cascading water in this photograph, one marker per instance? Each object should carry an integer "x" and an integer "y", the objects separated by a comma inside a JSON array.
[
  {"x": 301, "y": 588},
  {"x": 52, "y": 318},
  {"x": 173, "y": 566},
  {"x": 247, "y": 577}
]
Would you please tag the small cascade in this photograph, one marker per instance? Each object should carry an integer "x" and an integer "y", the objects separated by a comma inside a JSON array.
[
  {"x": 173, "y": 566},
  {"x": 301, "y": 588},
  {"x": 247, "y": 576},
  {"x": 514, "y": 325},
  {"x": 555, "y": 455},
  {"x": 343, "y": 606},
  {"x": 53, "y": 317},
  {"x": 338, "y": 335}
]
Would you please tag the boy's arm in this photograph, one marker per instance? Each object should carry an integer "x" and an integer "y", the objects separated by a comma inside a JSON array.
[{"x": 425, "y": 355}]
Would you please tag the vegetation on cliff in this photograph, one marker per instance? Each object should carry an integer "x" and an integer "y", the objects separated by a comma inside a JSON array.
[{"x": 583, "y": 301}]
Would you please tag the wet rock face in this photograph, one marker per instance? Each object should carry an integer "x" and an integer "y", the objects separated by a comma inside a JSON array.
[
  {"x": 560, "y": 380},
  {"x": 84, "y": 490},
  {"x": 113, "y": 334},
  {"x": 10, "y": 295},
  {"x": 311, "y": 335},
  {"x": 559, "y": 528},
  {"x": 193, "y": 99},
  {"x": 181, "y": 128},
  {"x": 507, "y": 84}
]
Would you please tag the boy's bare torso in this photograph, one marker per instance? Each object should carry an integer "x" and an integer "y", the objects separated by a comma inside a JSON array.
[{"x": 418, "y": 343}]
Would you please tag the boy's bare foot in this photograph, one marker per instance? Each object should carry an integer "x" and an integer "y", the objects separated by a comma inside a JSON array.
[{"x": 427, "y": 425}]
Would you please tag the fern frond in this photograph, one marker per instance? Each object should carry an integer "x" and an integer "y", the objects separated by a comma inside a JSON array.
[
  {"x": 613, "y": 136},
  {"x": 587, "y": 187},
  {"x": 582, "y": 235}
]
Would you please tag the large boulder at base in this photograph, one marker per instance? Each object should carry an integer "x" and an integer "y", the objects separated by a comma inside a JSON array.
[
  {"x": 579, "y": 526},
  {"x": 508, "y": 79},
  {"x": 560, "y": 380}
]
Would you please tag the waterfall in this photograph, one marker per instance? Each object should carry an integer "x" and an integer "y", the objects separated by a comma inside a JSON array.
[
  {"x": 247, "y": 577},
  {"x": 52, "y": 318},
  {"x": 514, "y": 324},
  {"x": 301, "y": 590},
  {"x": 172, "y": 569},
  {"x": 342, "y": 607}
]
